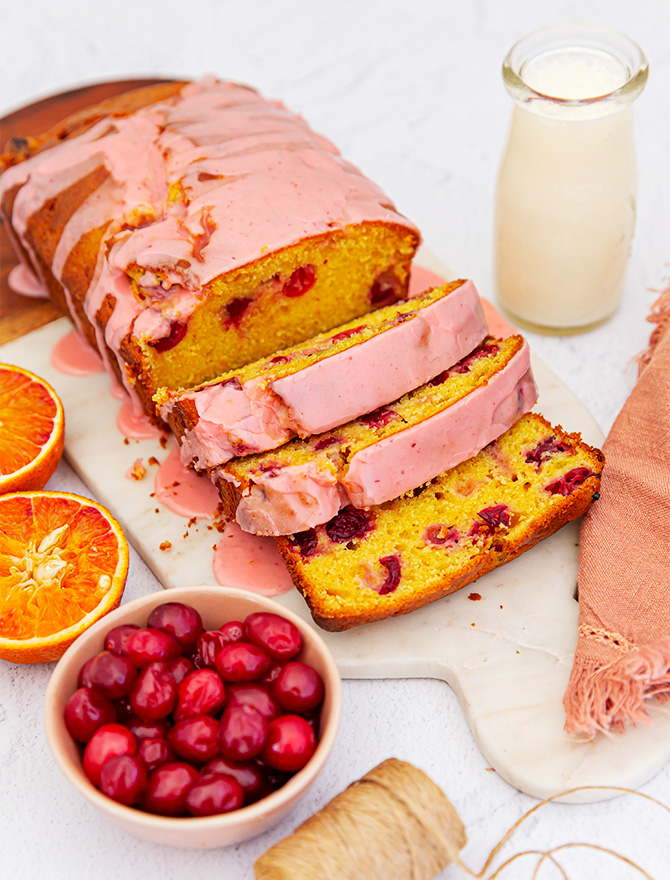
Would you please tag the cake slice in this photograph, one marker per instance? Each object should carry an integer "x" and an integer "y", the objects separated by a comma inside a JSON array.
[
  {"x": 326, "y": 381},
  {"x": 192, "y": 228},
  {"x": 366, "y": 565},
  {"x": 387, "y": 452}
]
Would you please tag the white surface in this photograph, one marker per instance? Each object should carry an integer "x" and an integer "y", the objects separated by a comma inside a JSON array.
[{"x": 415, "y": 98}]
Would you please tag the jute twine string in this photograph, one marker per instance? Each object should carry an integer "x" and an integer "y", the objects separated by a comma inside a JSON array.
[{"x": 396, "y": 824}]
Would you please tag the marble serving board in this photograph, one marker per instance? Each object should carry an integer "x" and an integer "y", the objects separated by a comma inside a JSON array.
[{"x": 507, "y": 655}]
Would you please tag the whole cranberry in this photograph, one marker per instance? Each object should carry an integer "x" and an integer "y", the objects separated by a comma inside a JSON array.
[
  {"x": 155, "y": 751},
  {"x": 195, "y": 739},
  {"x": 233, "y": 630},
  {"x": 290, "y": 743},
  {"x": 209, "y": 645},
  {"x": 242, "y": 661},
  {"x": 147, "y": 729},
  {"x": 242, "y": 733},
  {"x": 124, "y": 779},
  {"x": 83, "y": 679},
  {"x": 280, "y": 638},
  {"x": 180, "y": 668},
  {"x": 271, "y": 675},
  {"x": 147, "y": 645},
  {"x": 107, "y": 742},
  {"x": 214, "y": 795},
  {"x": 167, "y": 789},
  {"x": 85, "y": 711},
  {"x": 200, "y": 693},
  {"x": 299, "y": 687},
  {"x": 112, "y": 674},
  {"x": 178, "y": 620},
  {"x": 154, "y": 694},
  {"x": 116, "y": 639},
  {"x": 256, "y": 696},
  {"x": 247, "y": 773}
]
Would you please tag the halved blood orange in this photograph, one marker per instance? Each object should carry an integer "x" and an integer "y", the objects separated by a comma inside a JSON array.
[
  {"x": 31, "y": 430},
  {"x": 63, "y": 565}
]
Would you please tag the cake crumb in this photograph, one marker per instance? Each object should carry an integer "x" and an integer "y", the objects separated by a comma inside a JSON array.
[
  {"x": 475, "y": 597},
  {"x": 153, "y": 460},
  {"x": 163, "y": 441},
  {"x": 137, "y": 471},
  {"x": 166, "y": 545},
  {"x": 157, "y": 510},
  {"x": 126, "y": 441},
  {"x": 472, "y": 624}
]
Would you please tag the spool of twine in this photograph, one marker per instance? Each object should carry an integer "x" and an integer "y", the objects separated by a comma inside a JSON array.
[{"x": 394, "y": 823}]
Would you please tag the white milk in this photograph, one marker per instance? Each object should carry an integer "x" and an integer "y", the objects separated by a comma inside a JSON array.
[{"x": 565, "y": 211}]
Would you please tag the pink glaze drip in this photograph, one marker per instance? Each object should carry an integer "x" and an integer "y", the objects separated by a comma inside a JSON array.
[
  {"x": 74, "y": 356},
  {"x": 183, "y": 491},
  {"x": 132, "y": 424},
  {"x": 261, "y": 414},
  {"x": 24, "y": 282},
  {"x": 250, "y": 563}
]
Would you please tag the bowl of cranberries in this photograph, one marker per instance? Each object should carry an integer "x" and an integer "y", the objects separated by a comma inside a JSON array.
[{"x": 194, "y": 717}]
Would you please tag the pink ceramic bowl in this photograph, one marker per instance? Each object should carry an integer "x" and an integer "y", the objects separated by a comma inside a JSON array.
[{"x": 216, "y": 605}]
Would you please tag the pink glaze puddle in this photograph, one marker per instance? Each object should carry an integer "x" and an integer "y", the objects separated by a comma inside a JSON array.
[
  {"x": 134, "y": 425},
  {"x": 74, "y": 356},
  {"x": 24, "y": 282},
  {"x": 422, "y": 279},
  {"x": 250, "y": 563},
  {"x": 183, "y": 491}
]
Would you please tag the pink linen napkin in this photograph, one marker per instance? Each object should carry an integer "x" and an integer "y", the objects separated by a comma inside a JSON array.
[{"x": 623, "y": 649}]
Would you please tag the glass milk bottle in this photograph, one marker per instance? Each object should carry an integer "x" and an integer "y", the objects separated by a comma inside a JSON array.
[{"x": 565, "y": 208}]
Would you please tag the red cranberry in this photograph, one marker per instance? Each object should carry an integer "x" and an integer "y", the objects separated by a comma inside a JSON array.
[
  {"x": 85, "y": 711},
  {"x": 180, "y": 668},
  {"x": 278, "y": 636},
  {"x": 242, "y": 733},
  {"x": 496, "y": 515},
  {"x": 290, "y": 743},
  {"x": 379, "y": 418},
  {"x": 200, "y": 693},
  {"x": 235, "y": 309},
  {"x": 107, "y": 742},
  {"x": 112, "y": 674},
  {"x": 167, "y": 789},
  {"x": 271, "y": 675},
  {"x": 155, "y": 751},
  {"x": 299, "y": 687},
  {"x": 306, "y": 542},
  {"x": 253, "y": 695},
  {"x": 233, "y": 630},
  {"x": 147, "y": 730},
  {"x": 567, "y": 484},
  {"x": 385, "y": 289},
  {"x": 392, "y": 566},
  {"x": 165, "y": 343},
  {"x": 242, "y": 661},
  {"x": 116, "y": 639},
  {"x": 217, "y": 794},
  {"x": 150, "y": 645},
  {"x": 180, "y": 621},
  {"x": 350, "y": 523},
  {"x": 301, "y": 280},
  {"x": 195, "y": 739},
  {"x": 123, "y": 779},
  {"x": 209, "y": 645},
  {"x": 154, "y": 694},
  {"x": 247, "y": 774}
]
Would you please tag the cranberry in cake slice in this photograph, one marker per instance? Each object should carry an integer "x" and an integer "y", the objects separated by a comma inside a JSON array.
[{"x": 387, "y": 452}]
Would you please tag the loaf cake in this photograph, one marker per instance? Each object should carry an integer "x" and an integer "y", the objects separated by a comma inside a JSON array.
[
  {"x": 366, "y": 565},
  {"x": 188, "y": 229},
  {"x": 386, "y": 453},
  {"x": 327, "y": 380}
]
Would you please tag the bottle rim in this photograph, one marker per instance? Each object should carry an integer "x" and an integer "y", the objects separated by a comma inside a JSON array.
[{"x": 556, "y": 37}]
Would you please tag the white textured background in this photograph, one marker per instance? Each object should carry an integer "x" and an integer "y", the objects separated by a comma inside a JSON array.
[{"x": 412, "y": 93}]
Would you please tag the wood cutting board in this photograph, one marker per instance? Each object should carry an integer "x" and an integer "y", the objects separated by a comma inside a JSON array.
[{"x": 507, "y": 656}]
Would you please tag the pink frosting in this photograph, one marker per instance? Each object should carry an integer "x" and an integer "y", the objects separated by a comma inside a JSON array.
[
  {"x": 336, "y": 389},
  {"x": 73, "y": 355},
  {"x": 23, "y": 281},
  {"x": 256, "y": 177},
  {"x": 396, "y": 464},
  {"x": 250, "y": 563},
  {"x": 183, "y": 491}
]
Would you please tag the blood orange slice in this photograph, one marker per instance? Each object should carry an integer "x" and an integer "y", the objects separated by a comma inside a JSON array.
[
  {"x": 31, "y": 430},
  {"x": 63, "y": 565}
]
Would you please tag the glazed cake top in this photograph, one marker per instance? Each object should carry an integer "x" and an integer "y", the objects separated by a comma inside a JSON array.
[{"x": 207, "y": 181}]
